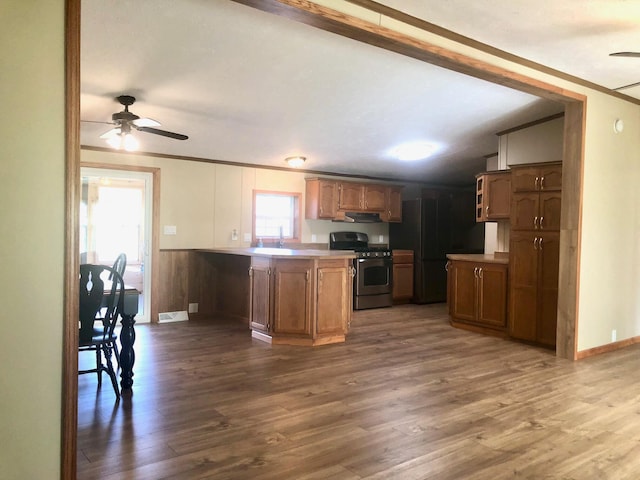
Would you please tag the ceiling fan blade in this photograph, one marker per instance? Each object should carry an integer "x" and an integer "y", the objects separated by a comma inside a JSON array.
[
  {"x": 97, "y": 121},
  {"x": 625, "y": 54},
  {"x": 146, "y": 122},
  {"x": 111, "y": 133},
  {"x": 635, "y": 84},
  {"x": 164, "y": 133}
]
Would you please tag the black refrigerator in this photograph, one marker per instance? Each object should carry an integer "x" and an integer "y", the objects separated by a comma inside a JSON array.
[{"x": 440, "y": 222}]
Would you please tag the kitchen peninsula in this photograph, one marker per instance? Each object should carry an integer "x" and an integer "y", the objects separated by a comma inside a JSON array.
[{"x": 296, "y": 297}]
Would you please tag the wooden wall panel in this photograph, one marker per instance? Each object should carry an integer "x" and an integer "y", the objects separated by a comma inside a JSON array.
[{"x": 174, "y": 280}]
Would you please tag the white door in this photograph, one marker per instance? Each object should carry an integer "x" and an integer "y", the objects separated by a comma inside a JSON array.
[{"x": 115, "y": 217}]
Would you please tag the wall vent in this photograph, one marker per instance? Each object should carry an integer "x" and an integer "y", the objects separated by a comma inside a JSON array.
[{"x": 167, "y": 317}]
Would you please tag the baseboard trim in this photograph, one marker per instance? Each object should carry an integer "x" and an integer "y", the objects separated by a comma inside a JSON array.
[{"x": 609, "y": 347}]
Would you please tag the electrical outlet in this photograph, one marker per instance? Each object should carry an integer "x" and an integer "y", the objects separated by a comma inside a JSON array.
[
  {"x": 247, "y": 237},
  {"x": 314, "y": 239},
  {"x": 614, "y": 335},
  {"x": 193, "y": 308},
  {"x": 380, "y": 238},
  {"x": 170, "y": 230}
]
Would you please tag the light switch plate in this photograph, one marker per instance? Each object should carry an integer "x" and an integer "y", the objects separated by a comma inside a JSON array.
[
  {"x": 170, "y": 230},
  {"x": 247, "y": 237}
]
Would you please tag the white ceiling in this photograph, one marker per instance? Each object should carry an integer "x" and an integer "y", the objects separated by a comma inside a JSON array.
[{"x": 250, "y": 87}]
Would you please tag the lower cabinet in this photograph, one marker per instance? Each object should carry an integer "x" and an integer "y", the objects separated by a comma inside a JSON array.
[
  {"x": 402, "y": 276},
  {"x": 300, "y": 301},
  {"x": 533, "y": 260},
  {"x": 478, "y": 295}
]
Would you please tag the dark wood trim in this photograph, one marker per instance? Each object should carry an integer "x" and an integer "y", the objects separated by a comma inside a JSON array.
[
  {"x": 609, "y": 347},
  {"x": 155, "y": 225},
  {"x": 531, "y": 124},
  {"x": 71, "y": 242},
  {"x": 483, "y": 47},
  {"x": 250, "y": 165}
]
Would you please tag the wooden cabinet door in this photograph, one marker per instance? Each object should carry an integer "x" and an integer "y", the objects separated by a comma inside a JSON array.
[
  {"x": 402, "y": 281},
  {"x": 260, "y": 296},
  {"x": 524, "y": 211},
  {"x": 549, "y": 211},
  {"x": 327, "y": 199},
  {"x": 523, "y": 281},
  {"x": 375, "y": 198},
  {"x": 292, "y": 298},
  {"x": 525, "y": 179},
  {"x": 498, "y": 196},
  {"x": 394, "y": 204},
  {"x": 492, "y": 295},
  {"x": 548, "y": 260},
  {"x": 551, "y": 178},
  {"x": 321, "y": 199},
  {"x": 334, "y": 300},
  {"x": 463, "y": 289},
  {"x": 350, "y": 196}
]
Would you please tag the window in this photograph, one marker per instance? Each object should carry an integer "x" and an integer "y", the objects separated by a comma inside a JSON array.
[{"x": 276, "y": 215}]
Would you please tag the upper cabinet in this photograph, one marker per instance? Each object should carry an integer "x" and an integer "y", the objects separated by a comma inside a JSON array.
[
  {"x": 493, "y": 196},
  {"x": 350, "y": 196},
  {"x": 321, "y": 200},
  {"x": 537, "y": 178},
  {"x": 330, "y": 199}
]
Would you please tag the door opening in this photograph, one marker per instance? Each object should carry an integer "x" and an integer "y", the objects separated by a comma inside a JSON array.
[{"x": 116, "y": 217}]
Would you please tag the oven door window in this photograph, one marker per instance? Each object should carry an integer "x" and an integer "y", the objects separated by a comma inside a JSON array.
[{"x": 373, "y": 276}]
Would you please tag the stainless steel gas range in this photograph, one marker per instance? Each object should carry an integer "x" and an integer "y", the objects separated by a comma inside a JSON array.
[{"x": 373, "y": 282}]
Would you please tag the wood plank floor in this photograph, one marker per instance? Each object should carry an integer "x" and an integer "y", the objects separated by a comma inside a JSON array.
[{"x": 406, "y": 397}]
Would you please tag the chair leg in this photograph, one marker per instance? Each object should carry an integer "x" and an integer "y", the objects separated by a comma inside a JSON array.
[
  {"x": 99, "y": 366},
  {"x": 112, "y": 374},
  {"x": 117, "y": 353}
]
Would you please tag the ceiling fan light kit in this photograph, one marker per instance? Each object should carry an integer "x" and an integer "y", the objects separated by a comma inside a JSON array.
[{"x": 120, "y": 136}]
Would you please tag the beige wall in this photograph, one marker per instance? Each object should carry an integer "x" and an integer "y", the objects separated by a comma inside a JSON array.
[
  {"x": 31, "y": 232},
  {"x": 207, "y": 201}
]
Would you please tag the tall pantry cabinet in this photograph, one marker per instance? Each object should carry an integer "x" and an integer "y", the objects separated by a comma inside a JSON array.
[{"x": 534, "y": 252}]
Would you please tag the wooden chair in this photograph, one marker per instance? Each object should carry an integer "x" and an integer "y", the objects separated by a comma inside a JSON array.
[
  {"x": 120, "y": 265},
  {"x": 100, "y": 302}
]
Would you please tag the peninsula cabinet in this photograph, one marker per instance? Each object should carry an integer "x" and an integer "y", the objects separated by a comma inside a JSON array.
[
  {"x": 478, "y": 294},
  {"x": 533, "y": 293},
  {"x": 493, "y": 196},
  {"x": 300, "y": 301}
]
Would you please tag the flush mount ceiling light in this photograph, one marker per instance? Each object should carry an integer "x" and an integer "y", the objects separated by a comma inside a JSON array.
[
  {"x": 413, "y": 151},
  {"x": 295, "y": 162}
]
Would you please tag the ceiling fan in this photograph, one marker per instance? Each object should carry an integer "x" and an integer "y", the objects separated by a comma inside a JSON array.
[
  {"x": 120, "y": 135},
  {"x": 630, "y": 55}
]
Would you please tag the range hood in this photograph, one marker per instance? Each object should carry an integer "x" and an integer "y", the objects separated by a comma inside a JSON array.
[{"x": 360, "y": 217}]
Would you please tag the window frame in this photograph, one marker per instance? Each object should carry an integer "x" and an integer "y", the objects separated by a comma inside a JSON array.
[{"x": 297, "y": 218}]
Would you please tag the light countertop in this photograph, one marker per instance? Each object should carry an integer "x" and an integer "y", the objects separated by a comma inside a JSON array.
[
  {"x": 479, "y": 257},
  {"x": 283, "y": 252}
]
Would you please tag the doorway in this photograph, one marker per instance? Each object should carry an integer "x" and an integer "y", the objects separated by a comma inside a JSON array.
[{"x": 116, "y": 217}]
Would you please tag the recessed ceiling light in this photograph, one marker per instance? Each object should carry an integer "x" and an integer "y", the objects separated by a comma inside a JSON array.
[{"x": 413, "y": 151}]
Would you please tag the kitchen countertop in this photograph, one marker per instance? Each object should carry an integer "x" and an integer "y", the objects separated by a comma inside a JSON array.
[
  {"x": 479, "y": 257},
  {"x": 282, "y": 252}
]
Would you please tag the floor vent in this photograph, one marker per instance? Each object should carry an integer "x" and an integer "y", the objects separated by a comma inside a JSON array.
[{"x": 173, "y": 317}]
